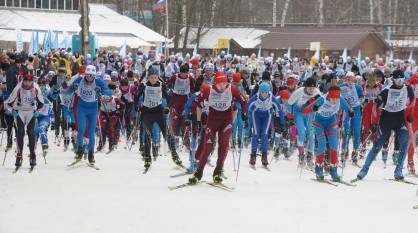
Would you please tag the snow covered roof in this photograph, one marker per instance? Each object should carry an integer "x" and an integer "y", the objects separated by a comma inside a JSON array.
[
  {"x": 245, "y": 37},
  {"x": 102, "y": 20}
]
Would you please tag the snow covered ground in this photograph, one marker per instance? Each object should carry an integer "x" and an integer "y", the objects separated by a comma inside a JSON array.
[{"x": 119, "y": 198}]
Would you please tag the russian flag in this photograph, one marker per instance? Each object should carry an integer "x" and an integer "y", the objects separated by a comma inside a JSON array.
[{"x": 159, "y": 5}]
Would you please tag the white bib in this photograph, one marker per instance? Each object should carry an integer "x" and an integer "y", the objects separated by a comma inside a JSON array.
[
  {"x": 108, "y": 106},
  {"x": 264, "y": 105},
  {"x": 220, "y": 101},
  {"x": 372, "y": 92},
  {"x": 27, "y": 99},
  {"x": 182, "y": 86},
  {"x": 153, "y": 96},
  {"x": 328, "y": 109},
  {"x": 396, "y": 100},
  {"x": 350, "y": 94},
  {"x": 86, "y": 91}
]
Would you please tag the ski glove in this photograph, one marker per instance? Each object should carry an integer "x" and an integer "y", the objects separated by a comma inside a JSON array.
[
  {"x": 36, "y": 114},
  {"x": 410, "y": 118},
  {"x": 244, "y": 116},
  {"x": 373, "y": 128},
  {"x": 199, "y": 126},
  {"x": 315, "y": 108},
  {"x": 166, "y": 110}
]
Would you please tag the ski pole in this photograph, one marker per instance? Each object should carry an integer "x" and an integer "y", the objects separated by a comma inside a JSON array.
[{"x": 239, "y": 158}]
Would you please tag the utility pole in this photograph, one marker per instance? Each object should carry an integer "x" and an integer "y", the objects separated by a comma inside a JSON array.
[
  {"x": 274, "y": 12},
  {"x": 84, "y": 24}
]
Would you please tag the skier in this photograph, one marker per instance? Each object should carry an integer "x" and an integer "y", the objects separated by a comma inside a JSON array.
[
  {"x": 304, "y": 121},
  {"x": 67, "y": 117},
  {"x": 325, "y": 122},
  {"x": 182, "y": 85},
  {"x": 109, "y": 122},
  {"x": 353, "y": 93},
  {"x": 45, "y": 113},
  {"x": 261, "y": 106},
  {"x": 219, "y": 98},
  {"x": 413, "y": 83},
  {"x": 88, "y": 88},
  {"x": 25, "y": 101},
  {"x": 371, "y": 113},
  {"x": 394, "y": 101},
  {"x": 152, "y": 92}
]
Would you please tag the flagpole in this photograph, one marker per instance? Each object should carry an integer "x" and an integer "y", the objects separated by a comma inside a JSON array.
[{"x": 166, "y": 20}]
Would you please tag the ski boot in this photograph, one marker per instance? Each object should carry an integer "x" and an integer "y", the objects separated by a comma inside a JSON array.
[
  {"x": 45, "y": 149},
  {"x": 197, "y": 176},
  {"x": 301, "y": 158},
  {"x": 147, "y": 161},
  {"x": 395, "y": 157},
  {"x": 66, "y": 143},
  {"x": 362, "y": 152},
  {"x": 32, "y": 160},
  {"x": 176, "y": 158},
  {"x": 91, "y": 158},
  {"x": 79, "y": 154},
  {"x": 217, "y": 175},
  {"x": 334, "y": 174},
  {"x": 100, "y": 146},
  {"x": 264, "y": 159},
  {"x": 19, "y": 159},
  {"x": 354, "y": 157},
  {"x": 155, "y": 150},
  {"x": 344, "y": 157},
  {"x": 9, "y": 145},
  {"x": 276, "y": 153},
  {"x": 309, "y": 162},
  {"x": 319, "y": 171},
  {"x": 411, "y": 167},
  {"x": 253, "y": 158}
]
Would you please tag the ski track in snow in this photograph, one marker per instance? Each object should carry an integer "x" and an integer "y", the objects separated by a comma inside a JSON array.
[{"x": 119, "y": 198}]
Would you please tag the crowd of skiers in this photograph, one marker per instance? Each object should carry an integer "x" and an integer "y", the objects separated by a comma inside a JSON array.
[{"x": 282, "y": 105}]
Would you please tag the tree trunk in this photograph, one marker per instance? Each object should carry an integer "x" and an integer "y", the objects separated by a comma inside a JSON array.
[
  {"x": 177, "y": 26},
  {"x": 321, "y": 12},
  {"x": 371, "y": 8},
  {"x": 379, "y": 11},
  {"x": 284, "y": 13}
]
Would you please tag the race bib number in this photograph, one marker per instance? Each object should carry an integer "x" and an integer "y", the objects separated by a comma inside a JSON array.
[
  {"x": 87, "y": 91},
  {"x": 182, "y": 86},
  {"x": 220, "y": 101},
  {"x": 264, "y": 105},
  {"x": 328, "y": 109},
  {"x": 396, "y": 100},
  {"x": 350, "y": 94},
  {"x": 153, "y": 96}
]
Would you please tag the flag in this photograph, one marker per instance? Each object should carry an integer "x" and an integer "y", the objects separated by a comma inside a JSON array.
[
  {"x": 345, "y": 55},
  {"x": 54, "y": 42},
  {"x": 34, "y": 43},
  {"x": 318, "y": 54},
  {"x": 19, "y": 41},
  {"x": 259, "y": 52},
  {"x": 161, "y": 4},
  {"x": 289, "y": 51},
  {"x": 47, "y": 44},
  {"x": 122, "y": 51},
  {"x": 359, "y": 57},
  {"x": 411, "y": 56},
  {"x": 194, "y": 51}
]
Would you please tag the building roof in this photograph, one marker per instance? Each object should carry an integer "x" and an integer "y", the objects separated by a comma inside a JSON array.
[
  {"x": 103, "y": 20},
  {"x": 331, "y": 38},
  {"x": 245, "y": 37}
]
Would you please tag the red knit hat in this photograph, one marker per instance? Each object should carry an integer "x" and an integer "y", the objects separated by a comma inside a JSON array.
[
  {"x": 220, "y": 77},
  {"x": 237, "y": 77}
]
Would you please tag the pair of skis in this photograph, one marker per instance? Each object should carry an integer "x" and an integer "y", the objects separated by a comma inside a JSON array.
[
  {"x": 79, "y": 161},
  {"x": 334, "y": 183},
  {"x": 218, "y": 185}
]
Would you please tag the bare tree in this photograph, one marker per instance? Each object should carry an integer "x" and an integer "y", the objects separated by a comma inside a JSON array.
[
  {"x": 321, "y": 12},
  {"x": 284, "y": 13}
]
